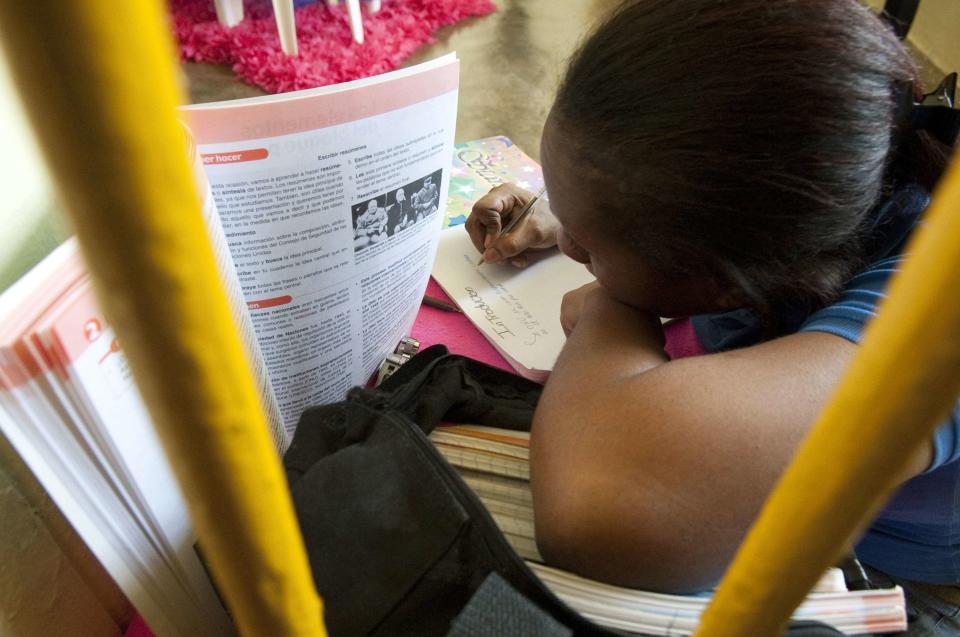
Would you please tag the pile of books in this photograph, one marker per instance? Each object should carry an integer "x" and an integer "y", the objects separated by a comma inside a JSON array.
[
  {"x": 324, "y": 209},
  {"x": 495, "y": 464}
]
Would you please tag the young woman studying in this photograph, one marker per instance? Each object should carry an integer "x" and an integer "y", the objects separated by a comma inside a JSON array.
[{"x": 750, "y": 164}]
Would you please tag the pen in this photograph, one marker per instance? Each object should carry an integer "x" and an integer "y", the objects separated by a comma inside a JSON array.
[
  {"x": 518, "y": 217},
  {"x": 429, "y": 301}
]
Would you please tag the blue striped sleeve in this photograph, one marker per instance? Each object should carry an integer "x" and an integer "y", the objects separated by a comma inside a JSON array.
[
  {"x": 857, "y": 304},
  {"x": 850, "y": 314}
]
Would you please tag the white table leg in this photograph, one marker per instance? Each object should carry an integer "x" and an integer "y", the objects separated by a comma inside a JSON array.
[
  {"x": 356, "y": 20},
  {"x": 229, "y": 12},
  {"x": 283, "y": 14}
]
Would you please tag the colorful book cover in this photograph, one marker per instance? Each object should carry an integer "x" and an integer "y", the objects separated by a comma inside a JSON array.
[{"x": 481, "y": 165}]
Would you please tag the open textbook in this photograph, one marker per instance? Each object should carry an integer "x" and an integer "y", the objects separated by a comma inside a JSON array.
[
  {"x": 518, "y": 310},
  {"x": 324, "y": 209},
  {"x": 494, "y": 463},
  {"x": 331, "y": 200}
]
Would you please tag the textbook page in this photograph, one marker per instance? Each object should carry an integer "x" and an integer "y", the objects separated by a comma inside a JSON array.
[
  {"x": 235, "y": 300},
  {"x": 517, "y": 309},
  {"x": 332, "y": 201}
]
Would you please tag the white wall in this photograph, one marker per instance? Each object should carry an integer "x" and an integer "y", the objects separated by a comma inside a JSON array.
[
  {"x": 935, "y": 31},
  {"x": 29, "y": 227}
]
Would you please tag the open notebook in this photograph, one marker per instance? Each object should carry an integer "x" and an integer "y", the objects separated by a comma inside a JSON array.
[
  {"x": 517, "y": 310},
  {"x": 495, "y": 464}
]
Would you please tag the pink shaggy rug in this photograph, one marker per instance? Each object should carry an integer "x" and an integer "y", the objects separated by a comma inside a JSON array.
[{"x": 328, "y": 54}]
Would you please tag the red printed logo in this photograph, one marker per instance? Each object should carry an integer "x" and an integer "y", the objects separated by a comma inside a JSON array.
[{"x": 92, "y": 330}]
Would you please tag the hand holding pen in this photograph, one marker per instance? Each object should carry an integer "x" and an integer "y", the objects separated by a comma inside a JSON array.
[{"x": 500, "y": 234}]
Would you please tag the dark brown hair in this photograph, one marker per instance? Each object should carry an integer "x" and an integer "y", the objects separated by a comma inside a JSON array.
[{"x": 743, "y": 140}]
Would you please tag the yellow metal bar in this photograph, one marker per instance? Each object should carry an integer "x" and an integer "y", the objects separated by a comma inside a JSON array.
[
  {"x": 98, "y": 81},
  {"x": 902, "y": 383}
]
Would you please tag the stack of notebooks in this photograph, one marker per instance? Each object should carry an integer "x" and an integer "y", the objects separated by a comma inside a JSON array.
[{"x": 495, "y": 464}]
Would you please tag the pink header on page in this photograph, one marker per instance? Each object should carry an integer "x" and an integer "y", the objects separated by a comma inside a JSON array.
[{"x": 301, "y": 114}]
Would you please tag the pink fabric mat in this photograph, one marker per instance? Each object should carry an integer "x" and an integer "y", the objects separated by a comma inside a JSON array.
[
  {"x": 328, "y": 54},
  {"x": 138, "y": 628}
]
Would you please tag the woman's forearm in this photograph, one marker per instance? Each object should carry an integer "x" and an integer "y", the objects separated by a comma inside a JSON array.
[
  {"x": 611, "y": 341},
  {"x": 590, "y": 518}
]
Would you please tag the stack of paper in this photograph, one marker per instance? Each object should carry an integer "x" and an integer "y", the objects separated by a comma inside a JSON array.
[
  {"x": 69, "y": 407},
  {"x": 495, "y": 464}
]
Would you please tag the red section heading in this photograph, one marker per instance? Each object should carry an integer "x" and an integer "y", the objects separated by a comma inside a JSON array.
[
  {"x": 235, "y": 157},
  {"x": 265, "y": 303}
]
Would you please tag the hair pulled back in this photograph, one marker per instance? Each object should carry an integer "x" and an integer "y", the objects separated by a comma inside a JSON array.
[{"x": 744, "y": 140}]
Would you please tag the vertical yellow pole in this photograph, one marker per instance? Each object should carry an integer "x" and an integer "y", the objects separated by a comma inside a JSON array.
[
  {"x": 902, "y": 383},
  {"x": 98, "y": 81}
]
